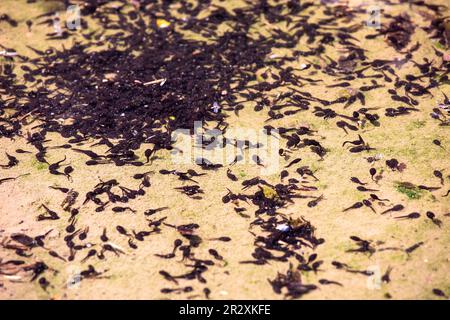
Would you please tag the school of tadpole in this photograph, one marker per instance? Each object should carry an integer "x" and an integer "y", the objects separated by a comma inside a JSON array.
[{"x": 94, "y": 207}]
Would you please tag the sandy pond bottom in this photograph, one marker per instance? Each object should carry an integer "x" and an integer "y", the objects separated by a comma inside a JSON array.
[{"x": 135, "y": 274}]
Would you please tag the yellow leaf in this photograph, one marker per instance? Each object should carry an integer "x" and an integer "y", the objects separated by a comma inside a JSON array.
[
  {"x": 269, "y": 192},
  {"x": 161, "y": 23}
]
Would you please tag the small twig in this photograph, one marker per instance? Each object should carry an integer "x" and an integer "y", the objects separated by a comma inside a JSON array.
[{"x": 161, "y": 81}]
